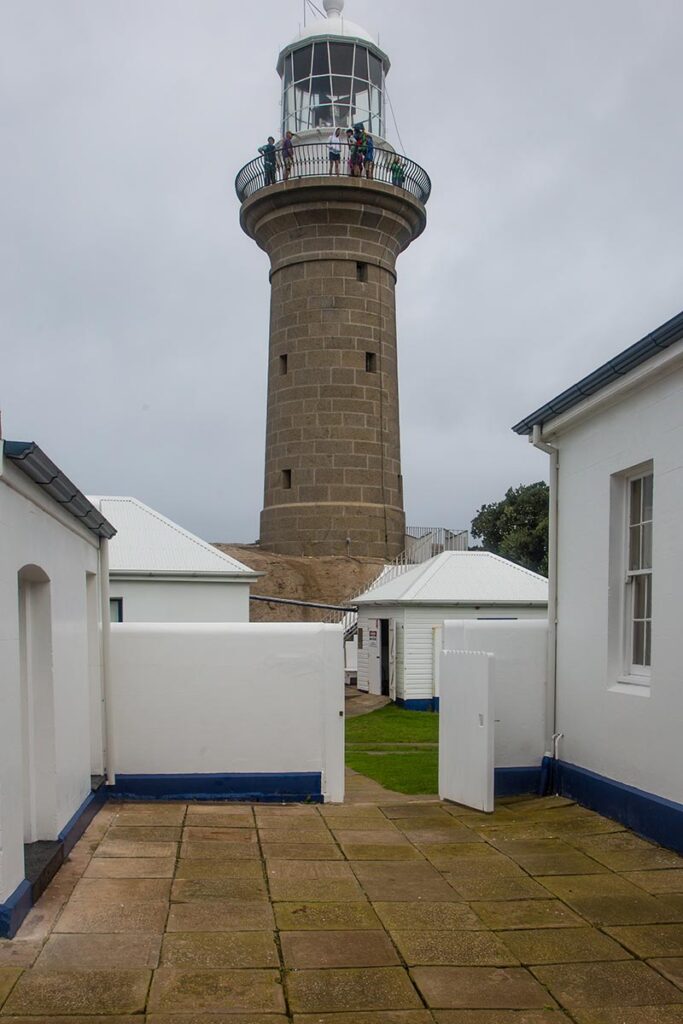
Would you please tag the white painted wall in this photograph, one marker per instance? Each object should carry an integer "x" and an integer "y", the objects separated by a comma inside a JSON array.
[
  {"x": 416, "y": 663},
  {"x": 215, "y": 698},
  {"x": 34, "y": 531},
  {"x": 182, "y": 600},
  {"x": 519, "y": 651},
  {"x": 623, "y": 732}
]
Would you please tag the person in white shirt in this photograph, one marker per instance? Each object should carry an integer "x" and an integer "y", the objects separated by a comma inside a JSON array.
[{"x": 334, "y": 146}]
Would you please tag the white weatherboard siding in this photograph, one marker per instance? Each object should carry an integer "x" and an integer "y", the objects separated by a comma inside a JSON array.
[
  {"x": 182, "y": 601},
  {"x": 623, "y": 732},
  {"x": 34, "y": 531}
]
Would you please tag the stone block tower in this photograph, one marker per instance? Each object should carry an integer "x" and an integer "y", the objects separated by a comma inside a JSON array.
[{"x": 333, "y": 481}]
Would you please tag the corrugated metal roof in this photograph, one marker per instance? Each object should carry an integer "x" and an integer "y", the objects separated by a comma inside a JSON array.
[
  {"x": 462, "y": 577},
  {"x": 147, "y": 542}
]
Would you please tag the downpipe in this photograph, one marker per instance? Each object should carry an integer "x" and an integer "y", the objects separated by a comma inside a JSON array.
[{"x": 106, "y": 663}]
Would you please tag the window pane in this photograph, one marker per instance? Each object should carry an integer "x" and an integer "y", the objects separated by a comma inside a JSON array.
[
  {"x": 341, "y": 58},
  {"x": 634, "y": 547},
  {"x": 288, "y": 71},
  {"x": 648, "y": 602},
  {"x": 321, "y": 63},
  {"x": 647, "y": 497},
  {"x": 639, "y": 596},
  {"x": 638, "y": 643},
  {"x": 646, "y": 555},
  {"x": 360, "y": 68},
  {"x": 375, "y": 70},
  {"x": 302, "y": 63},
  {"x": 634, "y": 509},
  {"x": 648, "y": 644}
]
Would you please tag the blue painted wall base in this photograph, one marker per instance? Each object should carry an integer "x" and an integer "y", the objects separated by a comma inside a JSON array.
[
  {"x": 516, "y": 781},
  {"x": 431, "y": 704},
  {"x": 257, "y": 787},
  {"x": 647, "y": 814}
]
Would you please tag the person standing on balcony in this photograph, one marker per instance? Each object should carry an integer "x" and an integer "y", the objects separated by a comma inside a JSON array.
[
  {"x": 287, "y": 155},
  {"x": 334, "y": 146},
  {"x": 268, "y": 154},
  {"x": 350, "y": 144},
  {"x": 369, "y": 156},
  {"x": 397, "y": 172}
]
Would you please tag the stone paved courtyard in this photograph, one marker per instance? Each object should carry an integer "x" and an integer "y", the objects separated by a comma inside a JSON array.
[{"x": 386, "y": 910}]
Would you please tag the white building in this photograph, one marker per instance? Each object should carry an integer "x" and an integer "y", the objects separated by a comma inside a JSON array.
[
  {"x": 52, "y": 591},
  {"x": 159, "y": 572},
  {"x": 400, "y": 620},
  {"x": 615, "y": 442}
]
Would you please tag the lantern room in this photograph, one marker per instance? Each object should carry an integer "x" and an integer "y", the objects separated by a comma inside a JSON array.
[{"x": 332, "y": 77}]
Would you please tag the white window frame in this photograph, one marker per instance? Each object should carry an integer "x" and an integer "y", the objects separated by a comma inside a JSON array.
[{"x": 638, "y": 674}]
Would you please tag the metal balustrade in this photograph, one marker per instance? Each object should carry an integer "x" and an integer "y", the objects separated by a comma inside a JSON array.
[{"x": 311, "y": 160}]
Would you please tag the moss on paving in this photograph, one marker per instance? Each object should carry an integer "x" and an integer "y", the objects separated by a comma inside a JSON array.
[{"x": 397, "y": 748}]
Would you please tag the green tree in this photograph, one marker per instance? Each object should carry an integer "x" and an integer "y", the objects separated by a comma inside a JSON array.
[{"x": 517, "y": 527}]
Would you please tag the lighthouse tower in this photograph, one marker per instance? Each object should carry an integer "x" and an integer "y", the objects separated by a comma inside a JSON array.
[{"x": 333, "y": 482}]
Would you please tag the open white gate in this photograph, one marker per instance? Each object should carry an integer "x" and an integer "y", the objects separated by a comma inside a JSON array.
[{"x": 466, "y": 729}]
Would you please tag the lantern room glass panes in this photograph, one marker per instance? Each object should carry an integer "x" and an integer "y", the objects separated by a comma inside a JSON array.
[{"x": 332, "y": 84}]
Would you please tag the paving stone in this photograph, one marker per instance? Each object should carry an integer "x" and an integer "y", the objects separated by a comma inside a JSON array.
[
  {"x": 568, "y": 887},
  {"x": 315, "y": 836},
  {"x": 417, "y": 810},
  {"x": 624, "y": 910},
  {"x": 90, "y": 951},
  {"x": 470, "y": 859},
  {"x": 213, "y": 1018},
  {"x": 93, "y": 916},
  {"x": 245, "y": 836},
  {"x": 630, "y": 1015},
  {"x": 221, "y": 815},
  {"x": 208, "y": 849},
  {"x": 134, "y": 848},
  {"x": 453, "y": 947},
  {"x": 316, "y": 949},
  {"x": 562, "y": 945},
  {"x": 151, "y": 814},
  {"x": 301, "y": 851},
  {"x": 307, "y": 869},
  {"x": 176, "y": 989},
  {"x": 39, "y": 921},
  {"x": 371, "y": 1017},
  {"x": 188, "y": 890},
  {"x": 315, "y": 889},
  {"x": 89, "y": 1019},
  {"x": 508, "y": 887},
  {"x": 656, "y": 882},
  {"x": 130, "y": 867},
  {"x": 507, "y": 914},
  {"x": 220, "y": 949},
  {"x": 370, "y": 837},
  {"x": 381, "y": 988},
  {"x": 548, "y": 857},
  {"x": 438, "y": 834},
  {"x": 119, "y": 890},
  {"x": 197, "y": 867},
  {"x": 79, "y": 992},
  {"x": 394, "y": 880},
  {"x": 380, "y": 851},
  {"x": 18, "y": 954},
  {"x": 8, "y": 978},
  {"x": 480, "y": 988},
  {"x": 671, "y": 967},
  {"x": 146, "y": 833},
  {"x": 651, "y": 940},
  {"x": 323, "y": 916},
  {"x": 500, "y": 1017},
  {"x": 419, "y": 915},
  {"x": 622, "y": 851},
  {"x": 221, "y": 916},
  {"x": 287, "y": 817},
  {"x": 361, "y": 823},
  {"x": 630, "y": 983}
]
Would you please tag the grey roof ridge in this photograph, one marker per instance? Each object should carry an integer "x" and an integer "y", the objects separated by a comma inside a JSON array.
[
  {"x": 658, "y": 340},
  {"x": 38, "y": 467}
]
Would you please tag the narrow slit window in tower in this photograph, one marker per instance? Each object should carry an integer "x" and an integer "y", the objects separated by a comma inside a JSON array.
[
  {"x": 283, "y": 365},
  {"x": 361, "y": 272},
  {"x": 371, "y": 362},
  {"x": 287, "y": 479}
]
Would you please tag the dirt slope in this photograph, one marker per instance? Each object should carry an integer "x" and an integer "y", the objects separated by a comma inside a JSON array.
[{"x": 330, "y": 580}]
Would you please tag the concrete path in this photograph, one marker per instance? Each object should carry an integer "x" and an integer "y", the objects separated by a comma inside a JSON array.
[
  {"x": 380, "y": 911},
  {"x": 356, "y": 702}
]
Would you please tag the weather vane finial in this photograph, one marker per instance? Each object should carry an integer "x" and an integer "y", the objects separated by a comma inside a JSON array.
[{"x": 333, "y": 7}]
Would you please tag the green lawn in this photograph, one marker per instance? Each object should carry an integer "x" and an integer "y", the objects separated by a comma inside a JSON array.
[{"x": 397, "y": 748}]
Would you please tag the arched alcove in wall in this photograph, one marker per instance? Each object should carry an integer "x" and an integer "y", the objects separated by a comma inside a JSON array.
[{"x": 37, "y": 704}]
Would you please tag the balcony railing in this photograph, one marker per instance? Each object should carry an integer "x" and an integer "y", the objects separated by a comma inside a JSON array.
[{"x": 311, "y": 160}]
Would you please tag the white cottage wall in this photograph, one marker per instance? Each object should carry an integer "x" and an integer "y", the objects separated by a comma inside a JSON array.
[
  {"x": 182, "y": 600},
  {"x": 35, "y": 532},
  {"x": 627, "y": 733}
]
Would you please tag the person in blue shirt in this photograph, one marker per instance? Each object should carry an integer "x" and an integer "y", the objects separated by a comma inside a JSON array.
[
  {"x": 268, "y": 154},
  {"x": 369, "y": 156}
]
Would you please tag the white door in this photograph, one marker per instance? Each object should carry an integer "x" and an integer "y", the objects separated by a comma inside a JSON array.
[
  {"x": 466, "y": 729},
  {"x": 392, "y": 659},
  {"x": 374, "y": 646}
]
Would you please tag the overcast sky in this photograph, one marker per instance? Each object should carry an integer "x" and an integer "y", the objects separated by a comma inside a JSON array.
[{"x": 134, "y": 312}]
